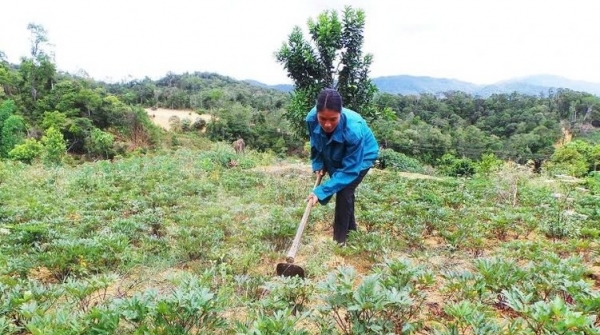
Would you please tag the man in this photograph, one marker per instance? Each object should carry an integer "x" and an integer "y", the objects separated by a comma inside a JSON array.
[{"x": 343, "y": 146}]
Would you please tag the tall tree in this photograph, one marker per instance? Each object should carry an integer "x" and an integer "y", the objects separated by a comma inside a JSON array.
[
  {"x": 333, "y": 59},
  {"x": 8, "y": 78},
  {"x": 38, "y": 71}
]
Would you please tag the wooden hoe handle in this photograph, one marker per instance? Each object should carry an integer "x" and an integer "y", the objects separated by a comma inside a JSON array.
[{"x": 294, "y": 248}]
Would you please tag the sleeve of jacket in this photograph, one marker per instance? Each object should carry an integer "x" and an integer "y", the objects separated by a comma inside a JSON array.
[{"x": 351, "y": 165}]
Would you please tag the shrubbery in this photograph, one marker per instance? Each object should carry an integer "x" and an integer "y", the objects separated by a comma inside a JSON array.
[
  {"x": 456, "y": 167},
  {"x": 576, "y": 159},
  {"x": 390, "y": 159}
]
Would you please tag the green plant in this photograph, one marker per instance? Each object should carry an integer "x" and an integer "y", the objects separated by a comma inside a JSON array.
[
  {"x": 463, "y": 285},
  {"x": 278, "y": 229},
  {"x": 340, "y": 63},
  {"x": 100, "y": 143},
  {"x": 568, "y": 159},
  {"x": 370, "y": 245},
  {"x": 374, "y": 306},
  {"x": 27, "y": 151},
  {"x": 21, "y": 300},
  {"x": 54, "y": 146},
  {"x": 279, "y": 322},
  {"x": 390, "y": 159},
  {"x": 499, "y": 274},
  {"x": 593, "y": 182},
  {"x": 291, "y": 294},
  {"x": 488, "y": 163},
  {"x": 549, "y": 317},
  {"x": 189, "y": 309},
  {"x": 468, "y": 318},
  {"x": 186, "y": 124},
  {"x": 563, "y": 221},
  {"x": 197, "y": 243},
  {"x": 66, "y": 257},
  {"x": 11, "y": 133},
  {"x": 449, "y": 165},
  {"x": 199, "y": 124}
]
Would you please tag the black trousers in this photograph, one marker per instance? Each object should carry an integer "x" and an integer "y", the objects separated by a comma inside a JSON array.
[{"x": 344, "y": 220}]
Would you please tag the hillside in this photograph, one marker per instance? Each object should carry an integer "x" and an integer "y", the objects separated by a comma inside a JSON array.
[{"x": 157, "y": 243}]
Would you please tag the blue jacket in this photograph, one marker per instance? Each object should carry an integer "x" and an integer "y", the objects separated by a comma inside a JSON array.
[{"x": 350, "y": 149}]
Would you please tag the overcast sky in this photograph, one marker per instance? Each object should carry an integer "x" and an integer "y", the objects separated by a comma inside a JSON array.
[{"x": 479, "y": 41}]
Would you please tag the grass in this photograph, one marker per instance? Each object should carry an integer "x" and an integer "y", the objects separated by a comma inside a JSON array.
[{"x": 181, "y": 243}]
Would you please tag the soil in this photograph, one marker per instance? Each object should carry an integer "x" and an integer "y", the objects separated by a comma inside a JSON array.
[
  {"x": 160, "y": 116},
  {"x": 284, "y": 168},
  {"x": 305, "y": 167},
  {"x": 411, "y": 175}
]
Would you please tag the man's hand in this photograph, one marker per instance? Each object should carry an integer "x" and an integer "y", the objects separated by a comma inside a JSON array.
[
  {"x": 320, "y": 172},
  {"x": 312, "y": 199}
]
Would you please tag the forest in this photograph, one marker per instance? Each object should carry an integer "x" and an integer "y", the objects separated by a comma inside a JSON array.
[{"x": 47, "y": 114}]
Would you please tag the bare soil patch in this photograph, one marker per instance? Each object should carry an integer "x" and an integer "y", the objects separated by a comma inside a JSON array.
[
  {"x": 411, "y": 175},
  {"x": 160, "y": 116},
  {"x": 284, "y": 168},
  {"x": 305, "y": 168}
]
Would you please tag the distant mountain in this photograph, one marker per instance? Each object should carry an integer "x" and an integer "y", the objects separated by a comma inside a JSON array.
[
  {"x": 522, "y": 87},
  {"x": 406, "y": 85},
  {"x": 531, "y": 85},
  {"x": 279, "y": 87},
  {"x": 550, "y": 81},
  {"x": 283, "y": 87}
]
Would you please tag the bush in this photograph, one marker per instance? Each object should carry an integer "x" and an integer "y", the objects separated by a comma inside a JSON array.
[
  {"x": 27, "y": 151},
  {"x": 593, "y": 182},
  {"x": 568, "y": 160},
  {"x": 390, "y": 159},
  {"x": 576, "y": 158},
  {"x": 54, "y": 146},
  {"x": 101, "y": 143},
  {"x": 175, "y": 123},
  {"x": 12, "y": 133},
  {"x": 456, "y": 167},
  {"x": 199, "y": 124},
  {"x": 489, "y": 163},
  {"x": 186, "y": 124}
]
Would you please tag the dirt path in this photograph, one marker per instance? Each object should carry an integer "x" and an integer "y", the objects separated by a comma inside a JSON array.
[
  {"x": 412, "y": 175},
  {"x": 284, "y": 168},
  {"x": 305, "y": 168}
]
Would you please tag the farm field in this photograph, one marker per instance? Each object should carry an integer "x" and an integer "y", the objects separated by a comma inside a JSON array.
[{"x": 181, "y": 243}]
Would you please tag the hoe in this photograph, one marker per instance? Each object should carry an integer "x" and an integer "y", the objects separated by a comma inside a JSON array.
[{"x": 289, "y": 269}]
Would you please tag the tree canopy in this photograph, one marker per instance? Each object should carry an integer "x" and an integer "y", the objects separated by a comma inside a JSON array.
[{"x": 332, "y": 58}]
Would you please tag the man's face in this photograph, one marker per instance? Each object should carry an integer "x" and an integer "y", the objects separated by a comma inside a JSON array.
[{"x": 328, "y": 119}]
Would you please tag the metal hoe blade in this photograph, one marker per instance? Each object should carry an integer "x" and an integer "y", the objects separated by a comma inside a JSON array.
[{"x": 289, "y": 270}]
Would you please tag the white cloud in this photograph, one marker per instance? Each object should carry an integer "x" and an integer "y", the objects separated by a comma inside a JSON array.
[{"x": 480, "y": 41}]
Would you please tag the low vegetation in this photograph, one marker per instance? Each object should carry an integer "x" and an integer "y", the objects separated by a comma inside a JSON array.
[{"x": 183, "y": 242}]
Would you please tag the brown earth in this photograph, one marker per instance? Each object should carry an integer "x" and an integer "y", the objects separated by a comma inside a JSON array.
[
  {"x": 305, "y": 168},
  {"x": 160, "y": 116}
]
